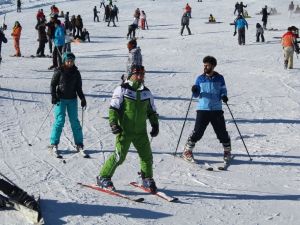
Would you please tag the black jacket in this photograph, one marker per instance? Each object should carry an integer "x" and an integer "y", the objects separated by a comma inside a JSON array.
[
  {"x": 264, "y": 15},
  {"x": 185, "y": 20},
  {"x": 2, "y": 37},
  {"x": 67, "y": 83}
]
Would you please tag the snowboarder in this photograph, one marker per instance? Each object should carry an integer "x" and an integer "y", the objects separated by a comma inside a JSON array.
[
  {"x": 42, "y": 38},
  {"x": 210, "y": 88},
  {"x": 185, "y": 21},
  {"x": 131, "y": 105},
  {"x": 19, "y": 4},
  {"x": 15, "y": 193},
  {"x": 132, "y": 27},
  {"x": 16, "y": 34},
  {"x": 96, "y": 14},
  {"x": 287, "y": 42},
  {"x": 59, "y": 41},
  {"x": 265, "y": 15},
  {"x": 2, "y": 39},
  {"x": 66, "y": 85},
  {"x": 211, "y": 19},
  {"x": 134, "y": 56},
  {"x": 239, "y": 25},
  {"x": 259, "y": 33}
]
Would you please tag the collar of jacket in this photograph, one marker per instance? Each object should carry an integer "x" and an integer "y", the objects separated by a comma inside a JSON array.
[{"x": 135, "y": 85}]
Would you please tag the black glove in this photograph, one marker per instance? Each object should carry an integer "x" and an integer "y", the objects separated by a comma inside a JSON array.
[
  {"x": 83, "y": 103},
  {"x": 115, "y": 129},
  {"x": 234, "y": 33},
  {"x": 195, "y": 89},
  {"x": 224, "y": 98},
  {"x": 155, "y": 130},
  {"x": 54, "y": 100}
]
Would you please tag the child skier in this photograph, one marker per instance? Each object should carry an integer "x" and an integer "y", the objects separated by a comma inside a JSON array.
[
  {"x": 259, "y": 33},
  {"x": 210, "y": 88},
  {"x": 131, "y": 105},
  {"x": 66, "y": 85}
]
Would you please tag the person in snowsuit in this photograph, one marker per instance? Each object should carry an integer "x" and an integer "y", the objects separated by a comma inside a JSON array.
[
  {"x": 96, "y": 14},
  {"x": 185, "y": 21},
  {"x": 2, "y": 39},
  {"x": 265, "y": 15},
  {"x": 16, "y": 34},
  {"x": 131, "y": 105},
  {"x": 66, "y": 85},
  {"x": 42, "y": 38},
  {"x": 134, "y": 56},
  {"x": 59, "y": 42},
  {"x": 132, "y": 27},
  {"x": 19, "y": 4},
  {"x": 287, "y": 42},
  {"x": 291, "y": 7},
  {"x": 17, "y": 194},
  {"x": 211, "y": 19},
  {"x": 211, "y": 90},
  {"x": 50, "y": 32},
  {"x": 259, "y": 33},
  {"x": 79, "y": 25},
  {"x": 112, "y": 16},
  {"x": 240, "y": 25}
]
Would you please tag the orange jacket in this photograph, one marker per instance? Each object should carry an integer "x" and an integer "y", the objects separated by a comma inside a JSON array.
[
  {"x": 16, "y": 33},
  {"x": 288, "y": 39}
]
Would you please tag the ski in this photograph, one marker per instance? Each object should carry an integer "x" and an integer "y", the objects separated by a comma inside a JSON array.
[
  {"x": 54, "y": 152},
  {"x": 158, "y": 194},
  {"x": 225, "y": 164},
  {"x": 31, "y": 215},
  {"x": 206, "y": 165},
  {"x": 110, "y": 192}
]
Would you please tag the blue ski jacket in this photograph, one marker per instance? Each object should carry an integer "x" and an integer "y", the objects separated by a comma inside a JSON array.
[
  {"x": 210, "y": 91},
  {"x": 241, "y": 23},
  {"x": 59, "y": 36}
]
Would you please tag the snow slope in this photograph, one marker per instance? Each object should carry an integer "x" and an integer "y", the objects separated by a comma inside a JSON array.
[{"x": 263, "y": 97}]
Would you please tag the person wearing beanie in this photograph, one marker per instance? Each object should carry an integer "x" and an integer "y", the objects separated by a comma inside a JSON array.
[
  {"x": 211, "y": 90},
  {"x": 131, "y": 105},
  {"x": 66, "y": 85}
]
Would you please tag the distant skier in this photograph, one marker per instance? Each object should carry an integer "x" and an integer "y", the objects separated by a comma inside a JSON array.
[
  {"x": 287, "y": 42},
  {"x": 132, "y": 27},
  {"x": 240, "y": 26},
  {"x": 16, "y": 194},
  {"x": 42, "y": 38},
  {"x": 144, "y": 20},
  {"x": 66, "y": 85},
  {"x": 2, "y": 39},
  {"x": 131, "y": 105},
  {"x": 16, "y": 34},
  {"x": 210, "y": 88},
  {"x": 185, "y": 21},
  {"x": 59, "y": 42},
  {"x": 19, "y": 5},
  {"x": 134, "y": 56},
  {"x": 291, "y": 8},
  {"x": 265, "y": 15},
  {"x": 241, "y": 9},
  {"x": 96, "y": 14},
  {"x": 259, "y": 33}
]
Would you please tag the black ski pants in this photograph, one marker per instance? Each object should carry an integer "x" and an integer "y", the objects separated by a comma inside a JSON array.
[
  {"x": 131, "y": 30},
  {"x": 57, "y": 53},
  {"x": 241, "y": 36},
  {"x": 187, "y": 27},
  {"x": 96, "y": 17},
  {"x": 216, "y": 118},
  {"x": 41, "y": 48},
  {"x": 260, "y": 35}
]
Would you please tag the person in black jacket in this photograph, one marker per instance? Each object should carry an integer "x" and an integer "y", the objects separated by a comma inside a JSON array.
[
  {"x": 265, "y": 15},
  {"x": 19, "y": 3},
  {"x": 66, "y": 85},
  {"x": 96, "y": 14},
  {"x": 2, "y": 39},
  {"x": 41, "y": 28},
  {"x": 185, "y": 21}
]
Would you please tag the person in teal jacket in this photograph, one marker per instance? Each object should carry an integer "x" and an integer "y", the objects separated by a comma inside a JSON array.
[
  {"x": 240, "y": 25},
  {"x": 59, "y": 41},
  {"x": 131, "y": 105}
]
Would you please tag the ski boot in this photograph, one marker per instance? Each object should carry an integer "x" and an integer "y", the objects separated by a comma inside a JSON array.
[
  {"x": 54, "y": 150},
  {"x": 285, "y": 64},
  {"x": 23, "y": 198},
  {"x": 79, "y": 148},
  {"x": 106, "y": 183},
  {"x": 188, "y": 151},
  {"x": 227, "y": 152},
  {"x": 149, "y": 183}
]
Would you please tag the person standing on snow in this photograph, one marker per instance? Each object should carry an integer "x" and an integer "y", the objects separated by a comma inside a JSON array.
[
  {"x": 241, "y": 9},
  {"x": 291, "y": 8},
  {"x": 16, "y": 34},
  {"x": 42, "y": 39},
  {"x": 2, "y": 39},
  {"x": 259, "y": 33},
  {"x": 134, "y": 56},
  {"x": 96, "y": 14},
  {"x": 132, "y": 27},
  {"x": 19, "y": 3},
  {"x": 59, "y": 42},
  {"x": 66, "y": 85},
  {"x": 287, "y": 42},
  {"x": 131, "y": 105},
  {"x": 188, "y": 10},
  {"x": 144, "y": 20},
  {"x": 265, "y": 15},
  {"x": 210, "y": 88},
  {"x": 185, "y": 21},
  {"x": 240, "y": 24}
]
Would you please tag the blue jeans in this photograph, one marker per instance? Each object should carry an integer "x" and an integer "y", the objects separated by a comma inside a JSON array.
[{"x": 60, "y": 113}]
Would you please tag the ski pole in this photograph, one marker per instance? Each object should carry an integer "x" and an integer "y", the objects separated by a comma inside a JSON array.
[
  {"x": 238, "y": 131},
  {"x": 82, "y": 117},
  {"x": 187, "y": 112},
  {"x": 30, "y": 144},
  {"x": 6, "y": 178}
]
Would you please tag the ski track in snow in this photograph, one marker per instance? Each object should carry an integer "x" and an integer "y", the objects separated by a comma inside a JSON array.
[{"x": 263, "y": 97}]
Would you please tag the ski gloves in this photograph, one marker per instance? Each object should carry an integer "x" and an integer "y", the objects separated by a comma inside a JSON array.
[
  {"x": 115, "y": 128},
  {"x": 83, "y": 103},
  {"x": 234, "y": 33},
  {"x": 195, "y": 90},
  {"x": 155, "y": 130},
  {"x": 225, "y": 99}
]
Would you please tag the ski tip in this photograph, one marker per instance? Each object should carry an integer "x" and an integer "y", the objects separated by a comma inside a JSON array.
[
  {"x": 210, "y": 169},
  {"x": 174, "y": 200},
  {"x": 87, "y": 156}
]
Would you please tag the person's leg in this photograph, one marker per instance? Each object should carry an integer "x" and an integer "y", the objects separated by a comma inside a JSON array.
[
  {"x": 59, "y": 115},
  {"x": 257, "y": 37},
  {"x": 262, "y": 37},
  {"x": 188, "y": 28},
  {"x": 117, "y": 158},
  {"x": 74, "y": 121},
  {"x": 59, "y": 55}
]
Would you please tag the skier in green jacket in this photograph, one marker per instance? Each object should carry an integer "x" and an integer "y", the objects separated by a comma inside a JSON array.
[{"x": 131, "y": 105}]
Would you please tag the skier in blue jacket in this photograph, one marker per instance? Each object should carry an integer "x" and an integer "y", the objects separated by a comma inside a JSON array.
[
  {"x": 240, "y": 24},
  {"x": 210, "y": 88},
  {"x": 59, "y": 42}
]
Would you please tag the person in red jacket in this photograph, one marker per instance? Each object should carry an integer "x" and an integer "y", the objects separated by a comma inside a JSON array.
[
  {"x": 16, "y": 34},
  {"x": 188, "y": 10},
  {"x": 287, "y": 41}
]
